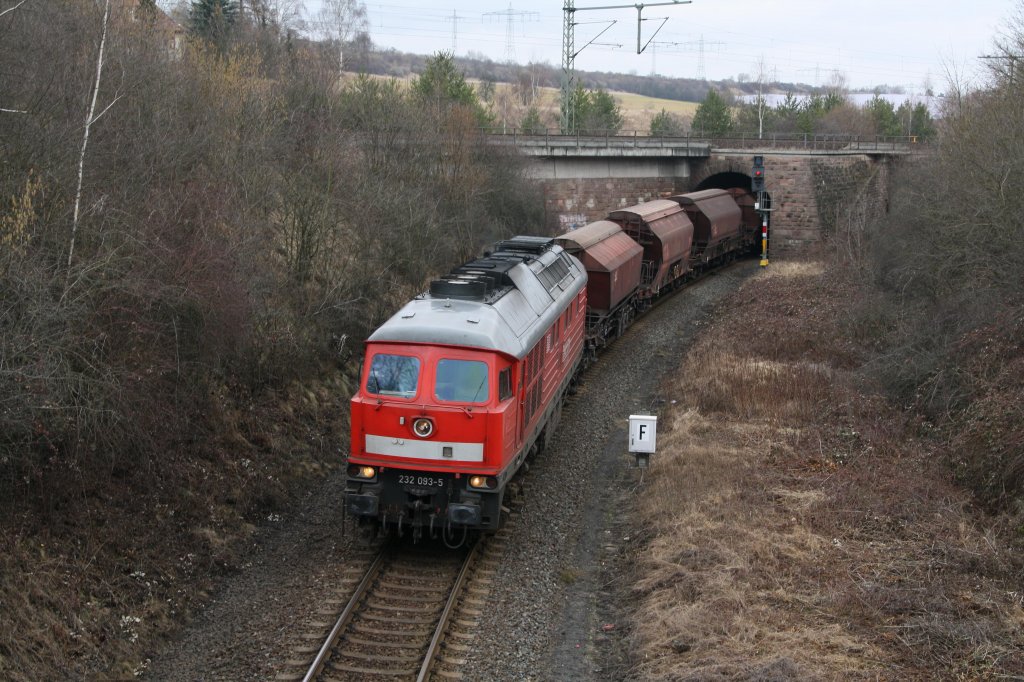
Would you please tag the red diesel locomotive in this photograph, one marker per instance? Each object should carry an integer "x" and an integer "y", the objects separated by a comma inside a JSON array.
[
  {"x": 461, "y": 384},
  {"x": 467, "y": 380}
]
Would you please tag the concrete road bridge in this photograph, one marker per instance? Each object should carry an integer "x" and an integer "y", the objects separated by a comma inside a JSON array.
[{"x": 811, "y": 179}]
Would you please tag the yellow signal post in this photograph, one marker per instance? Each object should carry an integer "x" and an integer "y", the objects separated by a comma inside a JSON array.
[
  {"x": 764, "y": 240},
  {"x": 757, "y": 178}
]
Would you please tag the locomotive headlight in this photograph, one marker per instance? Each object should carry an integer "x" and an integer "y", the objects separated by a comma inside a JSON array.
[
  {"x": 485, "y": 482},
  {"x": 423, "y": 427},
  {"x": 358, "y": 471}
]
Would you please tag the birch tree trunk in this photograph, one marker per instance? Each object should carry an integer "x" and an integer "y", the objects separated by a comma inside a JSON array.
[
  {"x": 85, "y": 136},
  {"x": 11, "y": 9}
]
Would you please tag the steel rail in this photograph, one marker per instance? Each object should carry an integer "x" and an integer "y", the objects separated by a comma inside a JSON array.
[
  {"x": 345, "y": 617},
  {"x": 449, "y": 607}
]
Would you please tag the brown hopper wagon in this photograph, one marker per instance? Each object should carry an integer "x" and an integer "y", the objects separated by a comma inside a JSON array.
[
  {"x": 665, "y": 232},
  {"x": 716, "y": 221},
  {"x": 613, "y": 262}
]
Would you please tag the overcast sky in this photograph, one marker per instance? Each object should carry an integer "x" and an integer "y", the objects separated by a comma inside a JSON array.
[{"x": 871, "y": 42}]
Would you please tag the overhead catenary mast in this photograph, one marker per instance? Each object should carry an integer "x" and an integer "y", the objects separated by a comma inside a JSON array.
[
  {"x": 1011, "y": 58},
  {"x": 569, "y": 50}
]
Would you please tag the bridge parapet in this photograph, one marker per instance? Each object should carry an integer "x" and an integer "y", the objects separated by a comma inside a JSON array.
[
  {"x": 621, "y": 145},
  {"x": 637, "y": 144}
]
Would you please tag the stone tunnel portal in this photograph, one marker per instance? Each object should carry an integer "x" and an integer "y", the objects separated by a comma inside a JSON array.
[{"x": 730, "y": 179}]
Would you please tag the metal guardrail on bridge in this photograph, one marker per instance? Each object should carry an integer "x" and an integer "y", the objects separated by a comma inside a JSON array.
[{"x": 696, "y": 143}]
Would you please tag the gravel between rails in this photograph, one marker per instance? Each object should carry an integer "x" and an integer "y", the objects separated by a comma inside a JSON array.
[{"x": 553, "y": 597}]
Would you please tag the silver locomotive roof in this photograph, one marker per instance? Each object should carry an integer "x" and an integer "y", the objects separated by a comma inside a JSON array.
[{"x": 504, "y": 301}]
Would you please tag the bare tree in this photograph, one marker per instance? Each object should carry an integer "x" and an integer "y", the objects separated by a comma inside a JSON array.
[
  {"x": 12, "y": 111},
  {"x": 837, "y": 85},
  {"x": 280, "y": 14},
  {"x": 761, "y": 104},
  {"x": 340, "y": 21},
  {"x": 1006, "y": 63},
  {"x": 89, "y": 120},
  {"x": 525, "y": 87}
]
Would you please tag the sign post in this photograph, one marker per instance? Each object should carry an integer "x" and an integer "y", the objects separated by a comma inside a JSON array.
[{"x": 643, "y": 437}]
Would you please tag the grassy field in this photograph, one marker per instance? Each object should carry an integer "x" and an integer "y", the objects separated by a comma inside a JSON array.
[
  {"x": 632, "y": 103},
  {"x": 637, "y": 110}
]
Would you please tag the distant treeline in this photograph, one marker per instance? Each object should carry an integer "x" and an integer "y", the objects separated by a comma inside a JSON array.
[{"x": 388, "y": 62}]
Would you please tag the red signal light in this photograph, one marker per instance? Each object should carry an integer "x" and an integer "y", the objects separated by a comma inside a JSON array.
[{"x": 757, "y": 175}]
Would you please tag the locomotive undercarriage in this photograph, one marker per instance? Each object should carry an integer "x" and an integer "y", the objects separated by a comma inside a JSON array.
[{"x": 431, "y": 504}]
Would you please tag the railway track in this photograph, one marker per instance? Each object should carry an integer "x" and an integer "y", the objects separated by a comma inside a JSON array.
[{"x": 411, "y": 616}]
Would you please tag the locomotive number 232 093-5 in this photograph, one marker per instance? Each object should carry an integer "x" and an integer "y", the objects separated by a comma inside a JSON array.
[{"x": 422, "y": 481}]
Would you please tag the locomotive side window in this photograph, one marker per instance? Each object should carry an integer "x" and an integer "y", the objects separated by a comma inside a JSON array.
[
  {"x": 462, "y": 381},
  {"x": 393, "y": 375},
  {"x": 505, "y": 384}
]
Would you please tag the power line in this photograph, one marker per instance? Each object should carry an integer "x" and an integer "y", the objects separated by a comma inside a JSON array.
[
  {"x": 701, "y": 45},
  {"x": 1012, "y": 58},
  {"x": 454, "y": 19},
  {"x": 510, "y": 28},
  {"x": 391, "y": 24},
  {"x": 654, "y": 52},
  {"x": 569, "y": 50}
]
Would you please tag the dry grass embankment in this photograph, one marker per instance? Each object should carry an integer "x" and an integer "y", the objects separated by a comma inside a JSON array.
[
  {"x": 798, "y": 526},
  {"x": 92, "y": 580}
]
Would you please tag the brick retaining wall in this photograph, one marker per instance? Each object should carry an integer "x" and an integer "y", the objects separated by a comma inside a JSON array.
[{"x": 572, "y": 203}]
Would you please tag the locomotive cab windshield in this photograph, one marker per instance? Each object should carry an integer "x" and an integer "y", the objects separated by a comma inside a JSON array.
[
  {"x": 449, "y": 379},
  {"x": 393, "y": 375},
  {"x": 464, "y": 381}
]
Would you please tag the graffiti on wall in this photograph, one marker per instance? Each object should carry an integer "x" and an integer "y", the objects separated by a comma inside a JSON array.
[{"x": 571, "y": 221}]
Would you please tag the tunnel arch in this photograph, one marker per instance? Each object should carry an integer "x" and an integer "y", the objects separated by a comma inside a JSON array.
[
  {"x": 728, "y": 180},
  {"x": 724, "y": 180}
]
